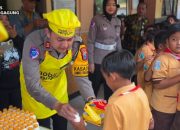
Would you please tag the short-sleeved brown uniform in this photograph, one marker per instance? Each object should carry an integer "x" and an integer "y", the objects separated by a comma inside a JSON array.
[
  {"x": 165, "y": 100},
  {"x": 127, "y": 112}
]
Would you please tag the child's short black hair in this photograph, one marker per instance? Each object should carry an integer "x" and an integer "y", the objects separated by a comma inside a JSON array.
[
  {"x": 121, "y": 62},
  {"x": 150, "y": 36},
  {"x": 151, "y": 27},
  {"x": 160, "y": 38},
  {"x": 172, "y": 16},
  {"x": 173, "y": 29}
]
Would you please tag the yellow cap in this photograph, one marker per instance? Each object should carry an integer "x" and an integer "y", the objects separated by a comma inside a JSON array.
[
  {"x": 63, "y": 22},
  {"x": 3, "y": 32}
]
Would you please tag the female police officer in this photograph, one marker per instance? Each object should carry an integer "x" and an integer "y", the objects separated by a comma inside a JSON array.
[
  {"x": 103, "y": 38},
  {"x": 43, "y": 78}
]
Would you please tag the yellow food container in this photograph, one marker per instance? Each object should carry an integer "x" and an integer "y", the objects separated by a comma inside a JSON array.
[{"x": 94, "y": 112}]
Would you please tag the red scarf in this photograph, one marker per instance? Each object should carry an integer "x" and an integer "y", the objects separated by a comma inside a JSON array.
[
  {"x": 129, "y": 91},
  {"x": 177, "y": 56}
]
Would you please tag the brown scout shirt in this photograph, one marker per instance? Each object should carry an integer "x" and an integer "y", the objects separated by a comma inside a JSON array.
[
  {"x": 165, "y": 100},
  {"x": 141, "y": 54},
  {"x": 132, "y": 108}
]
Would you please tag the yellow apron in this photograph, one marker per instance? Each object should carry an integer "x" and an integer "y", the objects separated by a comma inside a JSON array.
[
  {"x": 80, "y": 65},
  {"x": 54, "y": 81}
]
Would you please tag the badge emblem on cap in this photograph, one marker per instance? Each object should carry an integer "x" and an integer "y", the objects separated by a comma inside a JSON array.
[{"x": 34, "y": 53}]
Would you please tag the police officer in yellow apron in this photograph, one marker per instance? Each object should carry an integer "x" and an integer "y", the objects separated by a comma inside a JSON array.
[{"x": 43, "y": 80}]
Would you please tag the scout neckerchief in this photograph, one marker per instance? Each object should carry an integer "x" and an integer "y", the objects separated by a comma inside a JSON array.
[
  {"x": 129, "y": 91},
  {"x": 177, "y": 56}
]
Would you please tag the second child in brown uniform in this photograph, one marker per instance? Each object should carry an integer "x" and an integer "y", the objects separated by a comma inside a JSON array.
[
  {"x": 166, "y": 81},
  {"x": 144, "y": 57},
  {"x": 103, "y": 38},
  {"x": 159, "y": 44}
]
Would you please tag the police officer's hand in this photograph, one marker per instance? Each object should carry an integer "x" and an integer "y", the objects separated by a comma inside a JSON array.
[
  {"x": 78, "y": 125},
  {"x": 91, "y": 68},
  {"x": 65, "y": 110}
]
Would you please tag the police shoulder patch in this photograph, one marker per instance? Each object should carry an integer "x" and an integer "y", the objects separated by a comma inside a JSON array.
[
  {"x": 145, "y": 67},
  {"x": 34, "y": 52},
  {"x": 84, "y": 53},
  {"x": 141, "y": 55},
  {"x": 92, "y": 23},
  {"x": 157, "y": 65}
]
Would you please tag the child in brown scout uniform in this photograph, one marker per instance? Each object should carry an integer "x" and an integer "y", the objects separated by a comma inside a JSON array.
[
  {"x": 144, "y": 57},
  {"x": 176, "y": 122},
  {"x": 127, "y": 99},
  {"x": 166, "y": 78},
  {"x": 159, "y": 44}
]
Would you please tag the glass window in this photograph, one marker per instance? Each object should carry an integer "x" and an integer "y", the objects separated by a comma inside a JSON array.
[
  {"x": 123, "y": 7},
  {"x": 169, "y": 7},
  {"x": 59, "y": 4},
  {"x": 98, "y": 6},
  {"x": 134, "y": 6}
]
